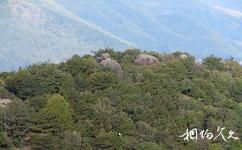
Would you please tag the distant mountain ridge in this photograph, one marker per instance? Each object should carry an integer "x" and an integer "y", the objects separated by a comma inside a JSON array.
[{"x": 53, "y": 30}]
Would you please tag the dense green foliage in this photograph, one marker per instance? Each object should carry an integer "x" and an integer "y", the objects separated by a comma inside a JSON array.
[{"x": 80, "y": 105}]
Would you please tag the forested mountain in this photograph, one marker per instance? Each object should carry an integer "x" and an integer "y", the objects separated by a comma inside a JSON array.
[
  {"x": 122, "y": 100},
  {"x": 53, "y": 30}
]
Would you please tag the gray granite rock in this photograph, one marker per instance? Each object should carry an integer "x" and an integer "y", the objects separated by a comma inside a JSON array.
[{"x": 145, "y": 59}]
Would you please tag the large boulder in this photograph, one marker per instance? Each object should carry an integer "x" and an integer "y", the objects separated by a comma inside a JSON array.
[
  {"x": 145, "y": 59},
  {"x": 112, "y": 64},
  {"x": 106, "y": 61}
]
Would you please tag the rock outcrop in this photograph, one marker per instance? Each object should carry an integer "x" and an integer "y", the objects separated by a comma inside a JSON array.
[
  {"x": 106, "y": 61},
  {"x": 4, "y": 102},
  {"x": 112, "y": 64},
  {"x": 145, "y": 59},
  {"x": 183, "y": 56},
  {"x": 104, "y": 56}
]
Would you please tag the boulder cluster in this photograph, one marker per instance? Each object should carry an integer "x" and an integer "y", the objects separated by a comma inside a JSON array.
[{"x": 106, "y": 61}]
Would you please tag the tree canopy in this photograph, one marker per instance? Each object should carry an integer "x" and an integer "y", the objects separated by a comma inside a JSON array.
[{"x": 78, "y": 104}]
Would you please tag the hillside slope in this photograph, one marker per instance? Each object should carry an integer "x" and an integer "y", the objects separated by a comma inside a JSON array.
[{"x": 149, "y": 105}]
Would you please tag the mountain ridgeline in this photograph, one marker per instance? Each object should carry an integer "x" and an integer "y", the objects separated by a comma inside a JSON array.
[
  {"x": 121, "y": 100},
  {"x": 54, "y": 30}
]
